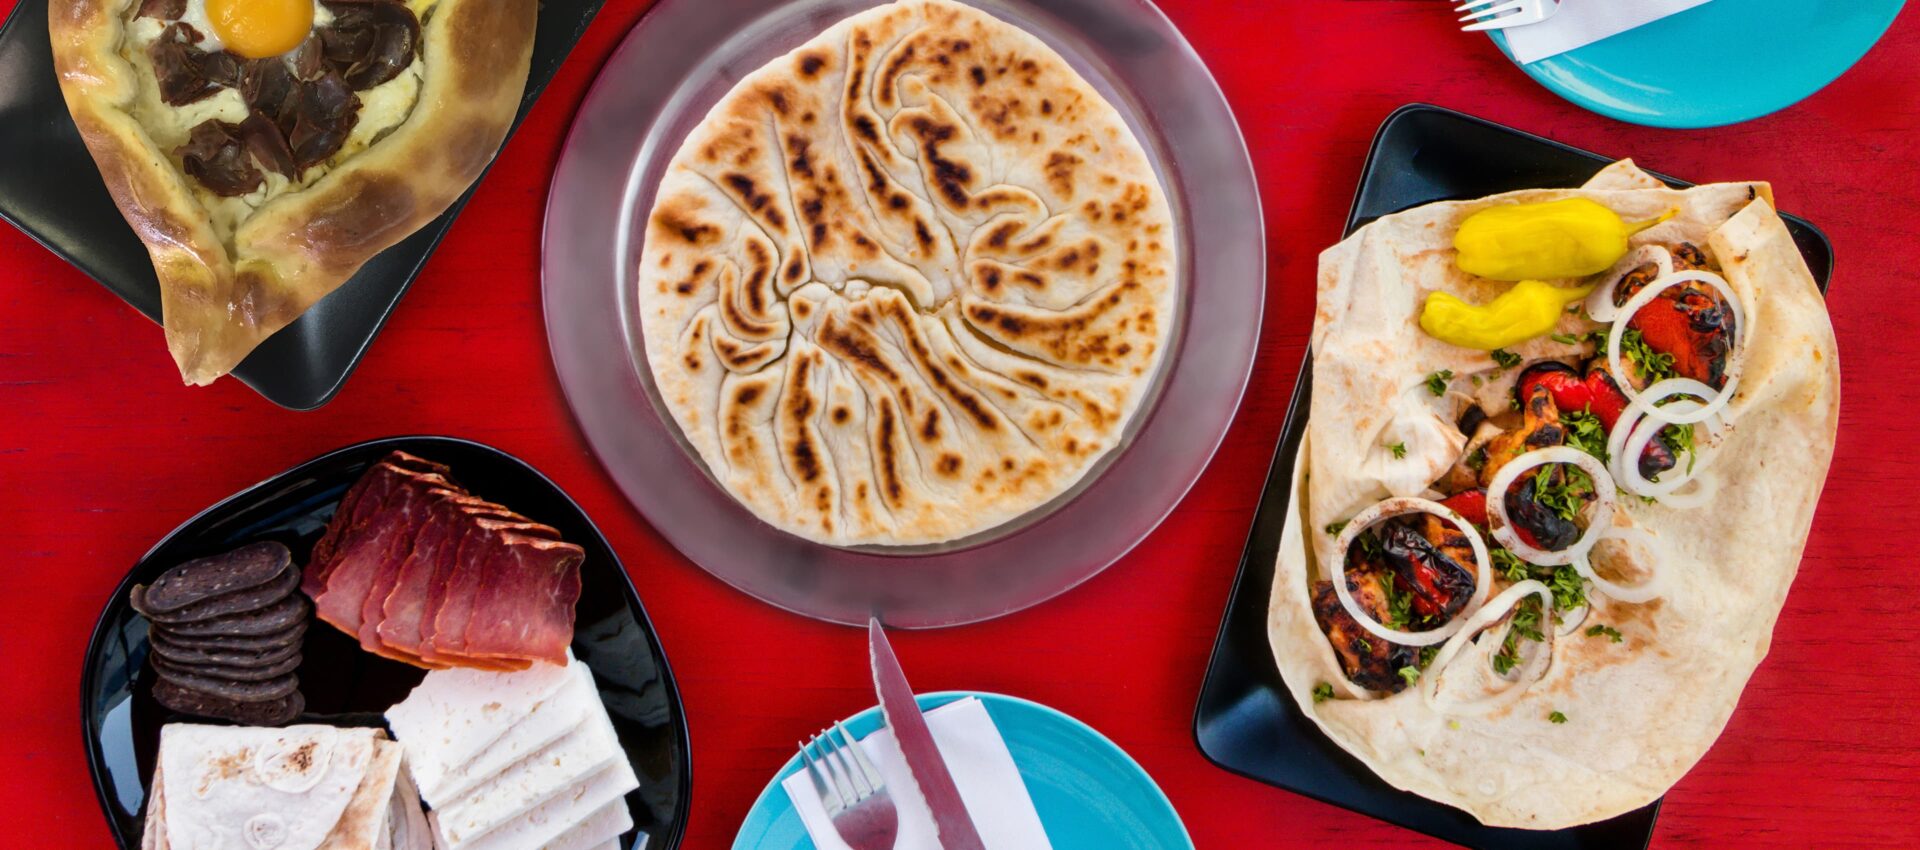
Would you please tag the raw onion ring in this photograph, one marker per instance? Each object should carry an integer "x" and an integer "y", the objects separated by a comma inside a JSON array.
[
  {"x": 1603, "y": 488},
  {"x": 1635, "y": 431},
  {"x": 1388, "y": 509},
  {"x": 1642, "y": 592},
  {"x": 1497, "y": 607},
  {"x": 1644, "y": 297},
  {"x": 1599, "y": 303}
]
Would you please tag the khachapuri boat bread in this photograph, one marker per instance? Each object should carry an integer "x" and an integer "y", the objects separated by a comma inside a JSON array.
[
  {"x": 908, "y": 281},
  {"x": 265, "y": 149},
  {"x": 1563, "y": 456}
]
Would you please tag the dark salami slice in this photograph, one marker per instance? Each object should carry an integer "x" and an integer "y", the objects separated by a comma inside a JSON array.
[
  {"x": 269, "y": 620},
  {"x": 235, "y": 643},
  {"x": 237, "y": 602},
  {"x": 228, "y": 672},
  {"x": 247, "y": 658},
  {"x": 244, "y": 568},
  {"x": 202, "y": 704},
  {"x": 264, "y": 691}
]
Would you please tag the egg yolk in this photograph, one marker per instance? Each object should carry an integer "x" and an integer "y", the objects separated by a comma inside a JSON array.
[{"x": 257, "y": 29}]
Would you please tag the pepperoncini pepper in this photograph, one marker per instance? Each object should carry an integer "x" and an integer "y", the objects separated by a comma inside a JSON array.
[
  {"x": 1573, "y": 237},
  {"x": 1529, "y": 309}
]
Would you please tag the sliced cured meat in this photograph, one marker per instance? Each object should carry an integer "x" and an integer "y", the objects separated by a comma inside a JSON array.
[
  {"x": 272, "y": 619},
  {"x": 199, "y": 703},
  {"x": 271, "y": 689},
  {"x": 164, "y": 647},
  {"x": 238, "y": 602},
  {"x": 214, "y": 576},
  {"x": 361, "y": 555},
  {"x": 227, "y": 672},
  {"x": 363, "y": 501},
  {"x": 468, "y": 575},
  {"x": 524, "y": 607},
  {"x": 291, "y": 636},
  {"x": 403, "y": 606}
]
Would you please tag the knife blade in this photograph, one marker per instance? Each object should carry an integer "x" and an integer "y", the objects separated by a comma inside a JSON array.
[{"x": 950, "y": 819}]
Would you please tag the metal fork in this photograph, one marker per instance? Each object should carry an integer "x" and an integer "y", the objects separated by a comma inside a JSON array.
[
  {"x": 852, "y": 790},
  {"x": 1500, "y": 14}
]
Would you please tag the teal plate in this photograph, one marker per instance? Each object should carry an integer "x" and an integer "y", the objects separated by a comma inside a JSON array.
[
  {"x": 1721, "y": 63},
  {"x": 1090, "y": 794}
]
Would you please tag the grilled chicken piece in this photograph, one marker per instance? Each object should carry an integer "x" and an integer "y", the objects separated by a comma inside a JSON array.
[
  {"x": 1598, "y": 393},
  {"x": 1368, "y": 661},
  {"x": 1465, "y": 473},
  {"x": 1539, "y": 428},
  {"x": 1434, "y": 564}
]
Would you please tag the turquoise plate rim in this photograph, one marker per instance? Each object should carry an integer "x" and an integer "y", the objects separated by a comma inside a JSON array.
[
  {"x": 1657, "y": 39},
  {"x": 772, "y": 803}
]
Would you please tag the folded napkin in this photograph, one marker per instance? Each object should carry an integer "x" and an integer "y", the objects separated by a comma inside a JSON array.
[
  {"x": 981, "y": 766},
  {"x": 1583, "y": 22}
]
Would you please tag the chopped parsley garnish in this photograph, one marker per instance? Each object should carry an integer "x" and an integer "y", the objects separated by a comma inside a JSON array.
[
  {"x": 1565, "y": 493},
  {"x": 1437, "y": 382},
  {"x": 1508, "y": 564},
  {"x": 1426, "y": 655},
  {"x": 1399, "y": 605},
  {"x": 1399, "y": 450},
  {"x": 1584, "y": 432},
  {"x": 1322, "y": 692},
  {"x": 1567, "y": 339},
  {"x": 1365, "y": 645},
  {"x": 1505, "y": 358},
  {"x": 1612, "y": 633},
  {"x": 1525, "y": 624},
  {"x": 1556, "y": 717},
  {"x": 1569, "y": 588},
  {"x": 1369, "y": 545},
  {"x": 1652, "y": 365},
  {"x": 1478, "y": 459},
  {"x": 1334, "y": 528},
  {"x": 1477, "y": 381},
  {"x": 1411, "y": 674},
  {"x": 1679, "y": 440}
]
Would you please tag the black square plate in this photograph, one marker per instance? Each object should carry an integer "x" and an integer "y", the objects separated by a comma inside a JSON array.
[
  {"x": 1245, "y": 721},
  {"x": 50, "y": 189},
  {"x": 346, "y": 686}
]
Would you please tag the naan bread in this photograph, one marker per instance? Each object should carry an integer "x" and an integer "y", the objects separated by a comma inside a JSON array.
[
  {"x": 909, "y": 281},
  {"x": 1641, "y": 712}
]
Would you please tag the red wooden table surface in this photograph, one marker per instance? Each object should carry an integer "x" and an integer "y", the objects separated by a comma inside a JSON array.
[{"x": 102, "y": 452}]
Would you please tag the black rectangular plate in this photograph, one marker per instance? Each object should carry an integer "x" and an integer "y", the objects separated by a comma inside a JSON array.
[
  {"x": 50, "y": 189},
  {"x": 1245, "y": 720},
  {"x": 346, "y": 686}
]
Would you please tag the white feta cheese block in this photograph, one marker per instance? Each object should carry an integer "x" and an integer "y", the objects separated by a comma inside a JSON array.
[
  {"x": 454, "y": 715},
  {"x": 529, "y": 782},
  {"x": 551, "y": 819},
  {"x": 554, "y": 717},
  {"x": 602, "y": 828}
]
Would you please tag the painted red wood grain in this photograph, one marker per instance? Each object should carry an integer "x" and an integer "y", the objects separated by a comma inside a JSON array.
[{"x": 102, "y": 451}]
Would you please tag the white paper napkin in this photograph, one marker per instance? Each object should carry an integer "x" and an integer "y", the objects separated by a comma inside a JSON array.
[
  {"x": 1583, "y": 22},
  {"x": 977, "y": 757}
]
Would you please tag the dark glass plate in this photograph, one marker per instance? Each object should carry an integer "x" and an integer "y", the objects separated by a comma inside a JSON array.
[
  {"x": 50, "y": 189},
  {"x": 1245, "y": 721},
  {"x": 346, "y": 686}
]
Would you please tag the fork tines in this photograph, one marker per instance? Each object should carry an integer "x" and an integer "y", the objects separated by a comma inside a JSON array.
[
  {"x": 1496, "y": 14},
  {"x": 840, "y": 770}
]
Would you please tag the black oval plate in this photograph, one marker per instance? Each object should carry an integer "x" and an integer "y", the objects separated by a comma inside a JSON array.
[
  {"x": 51, "y": 190},
  {"x": 1245, "y": 720},
  {"x": 346, "y": 686}
]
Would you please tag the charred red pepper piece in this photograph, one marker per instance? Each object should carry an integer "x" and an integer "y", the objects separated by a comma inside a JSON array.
[
  {"x": 1471, "y": 505},
  {"x": 1440, "y": 584},
  {"x": 1688, "y": 321},
  {"x": 1598, "y": 394}
]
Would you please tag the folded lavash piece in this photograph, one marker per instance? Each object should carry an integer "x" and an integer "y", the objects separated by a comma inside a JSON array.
[
  {"x": 453, "y": 715},
  {"x": 602, "y": 828},
  {"x": 407, "y": 827},
  {"x": 153, "y": 833},
  {"x": 527, "y": 783},
  {"x": 363, "y": 824},
  {"x": 550, "y": 820},
  {"x": 554, "y": 717},
  {"x": 234, "y": 786}
]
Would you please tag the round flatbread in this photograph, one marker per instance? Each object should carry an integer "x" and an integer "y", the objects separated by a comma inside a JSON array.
[
  {"x": 1634, "y": 697},
  {"x": 908, "y": 281}
]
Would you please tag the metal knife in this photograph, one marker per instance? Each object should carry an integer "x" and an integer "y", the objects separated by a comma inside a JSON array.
[{"x": 950, "y": 819}]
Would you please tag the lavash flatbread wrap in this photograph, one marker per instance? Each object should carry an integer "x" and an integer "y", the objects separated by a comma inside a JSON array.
[
  {"x": 1563, "y": 695},
  {"x": 908, "y": 281}
]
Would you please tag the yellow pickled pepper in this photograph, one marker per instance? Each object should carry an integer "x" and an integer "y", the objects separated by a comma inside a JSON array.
[
  {"x": 1527, "y": 310},
  {"x": 1573, "y": 237}
]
